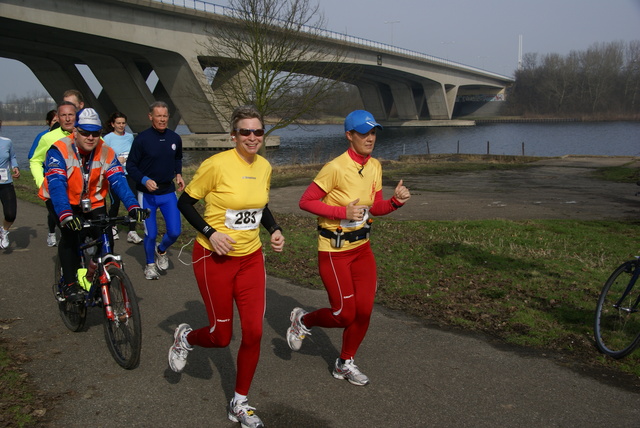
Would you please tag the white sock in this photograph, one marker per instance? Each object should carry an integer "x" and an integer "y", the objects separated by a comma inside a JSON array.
[{"x": 239, "y": 398}]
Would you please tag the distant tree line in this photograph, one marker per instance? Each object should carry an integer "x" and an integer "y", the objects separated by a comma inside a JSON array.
[
  {"x": 602, "y": 82},
  {"x": 28, "y": 107}
]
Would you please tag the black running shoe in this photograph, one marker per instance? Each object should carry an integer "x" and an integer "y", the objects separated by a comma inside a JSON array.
[{"x": 73, "y": 292}]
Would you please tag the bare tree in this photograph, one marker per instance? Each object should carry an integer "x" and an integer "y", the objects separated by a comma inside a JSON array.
[
  {"x": 523, "y": 97},
  {"x": 272, "y": 54},
  {"x": 601, "y": 64},
  {"x": 557, "y": 82}
]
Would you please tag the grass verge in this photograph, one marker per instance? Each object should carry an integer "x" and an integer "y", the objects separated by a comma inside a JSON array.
[{"x": 21, "y": 404}]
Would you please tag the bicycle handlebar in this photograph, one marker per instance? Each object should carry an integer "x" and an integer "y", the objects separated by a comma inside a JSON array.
[{"x": 104, "y": 221}]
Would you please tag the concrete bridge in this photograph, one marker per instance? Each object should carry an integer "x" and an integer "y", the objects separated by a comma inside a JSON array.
[{"x": 124, "y": 41}]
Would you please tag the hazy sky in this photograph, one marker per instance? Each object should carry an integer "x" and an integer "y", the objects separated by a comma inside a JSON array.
[{"x": 480, "y": 33}]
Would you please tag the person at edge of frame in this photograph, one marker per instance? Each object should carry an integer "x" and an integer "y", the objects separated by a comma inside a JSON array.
[{"x": 9, "y": 171}]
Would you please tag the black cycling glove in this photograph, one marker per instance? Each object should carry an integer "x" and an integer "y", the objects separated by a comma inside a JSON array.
[
  {"x": 138, "y": 214},
  {"x": 72, "y": 223}
]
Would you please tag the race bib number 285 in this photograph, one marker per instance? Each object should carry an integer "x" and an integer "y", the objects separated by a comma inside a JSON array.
[{"x": 243, "y": 219}]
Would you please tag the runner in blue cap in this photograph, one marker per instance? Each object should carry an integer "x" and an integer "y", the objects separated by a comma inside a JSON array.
[{"x": 344, "y": 195}]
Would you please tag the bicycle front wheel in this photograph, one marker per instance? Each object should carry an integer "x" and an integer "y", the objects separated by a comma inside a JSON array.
[
  {"x": 122, "y": 326},
  {"x": 617, "y": 323},
  {"x": 73, "y": 314}
]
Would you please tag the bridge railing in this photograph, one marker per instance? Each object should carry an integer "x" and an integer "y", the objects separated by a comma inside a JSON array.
[{"x": 207, "y": 6}]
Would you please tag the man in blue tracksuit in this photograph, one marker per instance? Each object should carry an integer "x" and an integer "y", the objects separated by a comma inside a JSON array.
[{"x": 154, "y": 161}]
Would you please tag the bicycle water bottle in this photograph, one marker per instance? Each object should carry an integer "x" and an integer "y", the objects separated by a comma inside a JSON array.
[{"x": 91, "y": 269}]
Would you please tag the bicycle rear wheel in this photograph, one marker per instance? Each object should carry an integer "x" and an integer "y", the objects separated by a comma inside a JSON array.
[
  {"x": 617, "y": 322},
  {"x": 73, "y": 314},
  {"x": 123, "y": 330}
]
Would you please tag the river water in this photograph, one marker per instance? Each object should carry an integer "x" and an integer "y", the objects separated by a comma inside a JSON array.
[{"x": 319, "y": 143}]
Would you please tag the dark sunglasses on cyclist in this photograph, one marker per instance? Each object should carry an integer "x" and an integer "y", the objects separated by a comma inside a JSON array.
[
  {"x": 94, "y": 134},
  {"x": 246, "y": 132}
]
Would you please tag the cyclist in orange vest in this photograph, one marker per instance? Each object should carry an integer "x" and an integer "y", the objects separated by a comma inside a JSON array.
[{"x": 79, "y": 170}]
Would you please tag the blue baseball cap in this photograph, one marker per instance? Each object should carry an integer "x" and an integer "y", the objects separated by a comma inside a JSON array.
[
  {"x": 87, "y": 119},
  {"x": 360, "y": 121}
]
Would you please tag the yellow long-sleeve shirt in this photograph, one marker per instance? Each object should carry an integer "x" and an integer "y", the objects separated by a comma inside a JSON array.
[{"x": 37, "y": 160}]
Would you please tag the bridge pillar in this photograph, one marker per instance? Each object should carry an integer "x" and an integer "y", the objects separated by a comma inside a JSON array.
[
  {"x": 58, "y": 75},
  {"x": 127, "y": 90},
  {"x": 183, "y": 82},
  {"x": 440, "y": 99},
  {"x": 404, "y": 101},
  {"x": 51, "y": 74},
  {"x": 227, "y": 77},
  {"x": 372, "y": 99}
]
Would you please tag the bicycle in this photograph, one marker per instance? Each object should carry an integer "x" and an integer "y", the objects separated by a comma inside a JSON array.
[
  {"x": 111, "y": 289},
  {"x": 617, "y": 322}
]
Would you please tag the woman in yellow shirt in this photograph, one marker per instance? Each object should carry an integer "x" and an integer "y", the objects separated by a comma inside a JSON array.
[
  {"x": 227, "y": 257},
  {"x": 344, "y": 194}
]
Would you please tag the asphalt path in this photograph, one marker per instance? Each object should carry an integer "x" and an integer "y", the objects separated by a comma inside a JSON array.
[{"x": 421, "y": 376}]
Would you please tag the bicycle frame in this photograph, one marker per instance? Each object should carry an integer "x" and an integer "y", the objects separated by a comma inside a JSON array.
[
  {"x": 102, "y": 279},
  {"x": 636, "y": 273},
  {"x": 633, "y": 308},
  {"x": 110, "y": 289}
]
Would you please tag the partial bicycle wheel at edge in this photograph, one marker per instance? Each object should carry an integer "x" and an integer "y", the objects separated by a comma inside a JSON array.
[
  {"x": 617, "y": 323},
  {"x": 124, "y": 333},
  {"x": 73, "y": 314}
]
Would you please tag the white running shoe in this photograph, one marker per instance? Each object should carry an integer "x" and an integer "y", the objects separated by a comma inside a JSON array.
[
  {"x": 51, "y": 240},
  {"x": 245, "y": 414},
  {"x": 115, "y": 233},
  {"x": 133, "y": 237},
  {"x": 151, "y": 271},
  {"x": 162, "y": 260},
  {"x": 298, "y": 331},
  {"x": 350, "y": 372},
  {"x": 4, "y": 238},
  {"x": 180, "y": 349}
]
